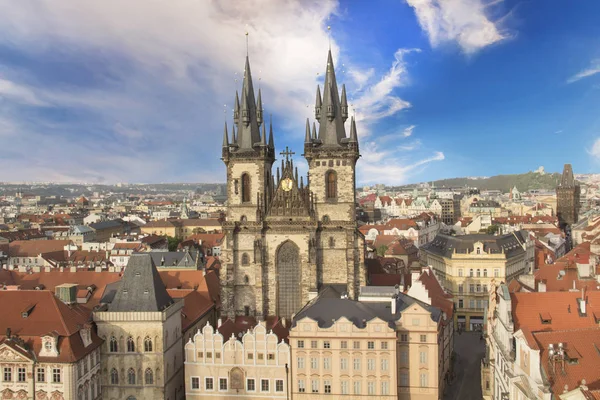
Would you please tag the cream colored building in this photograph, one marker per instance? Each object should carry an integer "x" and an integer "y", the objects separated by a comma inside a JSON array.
[
  {"x": 141, "y": 326},
  {"x": 56, "y": 354},
  {"x": 349, "y": 349},
  {"x": 468, "y": 265},
  {"x": 255, "y": 365}
]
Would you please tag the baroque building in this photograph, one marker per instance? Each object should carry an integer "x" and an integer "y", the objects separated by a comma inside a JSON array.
[
  {"x": 287, "y": 237},
  {"x": 567, "y": 198}
]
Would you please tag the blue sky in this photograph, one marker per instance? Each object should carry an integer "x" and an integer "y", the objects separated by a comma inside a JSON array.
[{"x": 138, "y": 91}]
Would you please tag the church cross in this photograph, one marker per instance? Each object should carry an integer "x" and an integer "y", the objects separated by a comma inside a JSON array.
[{"x": 287, "y": 153}]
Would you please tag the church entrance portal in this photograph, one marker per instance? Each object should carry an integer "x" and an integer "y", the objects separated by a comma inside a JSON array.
[{"x": 288, "y": 279}]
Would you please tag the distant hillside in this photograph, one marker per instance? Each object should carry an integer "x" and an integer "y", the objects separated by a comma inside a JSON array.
[{"x": 523, "y": 182}]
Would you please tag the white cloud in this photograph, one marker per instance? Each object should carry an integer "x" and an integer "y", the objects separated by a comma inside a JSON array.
[
  {"x": 127, "y": 132},
  {"x": 408, "y": 131},
  {"x": 462, "y": 21},
  {"x": 593, "y": 69},
  {"x": 20, "y": 94},
  {"x": 360, "y": 77},
  {"x": 594, "y": 151}
]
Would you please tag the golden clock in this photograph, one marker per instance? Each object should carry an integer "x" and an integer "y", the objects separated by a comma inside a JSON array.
[{"x": 286, "y": 184}]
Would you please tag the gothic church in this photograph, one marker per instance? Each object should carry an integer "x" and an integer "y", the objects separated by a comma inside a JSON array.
[{"x": 287, "y": 237}]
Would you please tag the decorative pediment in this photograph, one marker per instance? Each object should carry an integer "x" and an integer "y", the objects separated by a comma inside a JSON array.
[
  {"x": 291, "y": 197},
  {"x": 8, "y": 354},
  {"x": 49, "y": 346},
  {"x": 7, "y": 394},
  {"x": 41, "y": 395}
]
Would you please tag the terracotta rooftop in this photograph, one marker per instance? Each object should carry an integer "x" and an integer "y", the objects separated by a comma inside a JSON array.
[{"x": 33, "y": 248}]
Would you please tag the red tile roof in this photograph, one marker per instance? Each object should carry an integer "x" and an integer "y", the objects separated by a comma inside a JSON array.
[
  {"x": 33, "y": 248},
  {"x": 439, "y": 297}
]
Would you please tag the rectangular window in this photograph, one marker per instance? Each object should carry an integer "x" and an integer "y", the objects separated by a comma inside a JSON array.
[
  {"x": 496, "y": 272},
  {"x": 209, "y": 354},
  {"x": 384, "y": 364},
  {"x": 195, "y": 382},
  {"x": 460, "y": 272},
  {"x": 314, "y": 385},
  {"x": 314, "y": 363},
  {"x": 208, "y": 384},
  {"x": 404, "y": 337},
  {"x": 217, "y": 354},
  {"x": 344, "y": 387},
  {"x": 416, "y": 321},
  {"x": 471, "y": 303},
  {"x": 485, "y": 289},
  {"x": 326, "y": 344},
  {"x": 271, "y": 356},
  {"x": 478, "y": 288},
  {"x": 356, "y": 344},
  {"x": 471, "y": 272},
  {"x": 21, "y": 375},
  {"x": 485, "y": 273},
  {"x": 300, "y": 362},
  {"x": 343, "y": 364},
  {"x": 371, "y": 388},
  {"x": 7, "y": 374},
  {"x": 344, "y": 344},
  {"x": 264, "y": 385},
  {"x": 423, "y": 338},
  {"x": 313, "y": 344},
  {"x": 423, "y": 357},
  {"x": 403, "y": 378},
  {"x": 222, "y": 383},
  {"x": 300, "y": 344},
  {"x": 55, "y": 375},
  {"x": 423, "y": 379},
  {"x": 460, "y": 303},
  {"x": 279, "y": 385},
  {"x": 371, "y": 364},
  {"x": 261, "y": 356},
  {"x": 357, "y": 364},
  {"x": 370, "y": 345},
  {"x": 250, "y": 384},
  {"x": 471, "y": 288},
  {"x": 385, "y": 388},
  {"x": 301, "y": 387},
  {"x": 404, "y": 357},
  {"x": 384, "y": 345},
  {"x": 479, "y": 304},
  {"x": 327, "y": 387},
  {"x": 356, "y": 387},
  {"x": 326, "y": 363},
  {"x": 41, "y": 375},
  {"x": 460, "y": 288},
  {"x": 250, "y": 356}
]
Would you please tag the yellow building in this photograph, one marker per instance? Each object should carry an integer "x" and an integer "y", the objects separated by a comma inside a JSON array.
[
  {"x": 181, "y": 228},
  {"x": 352, "y": 349},
  {"x": 466, "y": 266}
]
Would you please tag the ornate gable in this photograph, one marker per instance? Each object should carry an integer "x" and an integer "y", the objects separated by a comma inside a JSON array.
[{"x": 10, "y": 352}]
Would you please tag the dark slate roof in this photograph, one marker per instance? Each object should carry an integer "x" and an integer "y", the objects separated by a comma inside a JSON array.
[
  {"x": 326, "y": 310},
  {"x": 444, "y": 245},
  {"x": 107, "y": 224},
  {"x": 485, "y": 203},
  {"x": 174, "y": 258},
  {"x": 141, "y": 288}
]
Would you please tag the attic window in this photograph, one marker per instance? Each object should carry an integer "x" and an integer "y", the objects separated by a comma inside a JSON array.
[
  {"x": 138, "y": 274},
  {"x": 546, "y": 318},
  {"x": 146, "y": 291},
  {"x": 125, "y": 291}
]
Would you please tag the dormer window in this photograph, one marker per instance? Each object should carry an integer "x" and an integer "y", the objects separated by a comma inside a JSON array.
[{"x": 48, "y": 346}]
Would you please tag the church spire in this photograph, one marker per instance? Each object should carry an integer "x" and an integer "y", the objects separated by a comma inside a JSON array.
[
  {"x": 236, "y": 108},
  {"x": 318, "y": 104},
  {"x": 263, "y": 137},
  {"x": 259, "y": 110},
  {"x": 331, "y": 129},
  {"x": 307, "y": 136},
  {"x": 225, "y": 137},
  {"x": 314, "y": 131},
  {"x": 344, "y": 104},
  {"x": 353, "y": 138},
  {"x": 248, "y": 124},
  {"x": 271, "y": 142}
]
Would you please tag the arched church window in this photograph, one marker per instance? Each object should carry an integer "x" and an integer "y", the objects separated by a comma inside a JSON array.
[
  {"x": 130, "y": 345},
  {"x": 131, "y": 376},
  {"x": 147, "y": 344},
  {"x": 149, "y": 376},
  {"x": 113, "y": 345},
  {"x": 114, "y": 377},
  {"x": 331, "y": 242},
  {"x": 243, "y": 218},
  {"x": 245, "y": 188},
  {"x": 246, "y": 279},
  {"x": 331, "y": 184},
  {"x": 245, "y": 259},
  {"x": 325, "y": 219}
]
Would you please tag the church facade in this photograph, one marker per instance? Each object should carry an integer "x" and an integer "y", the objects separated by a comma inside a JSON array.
[{"x": 287, "y": 237}]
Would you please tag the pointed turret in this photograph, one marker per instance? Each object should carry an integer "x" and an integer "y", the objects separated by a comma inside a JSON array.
[
  {"x": 314, "y": 131},
  {"x": 567, "y": 179},
  {"x": 331, "y": 129},
  {"x": 248, "y": 133},
  {"x": 263, "y": 137},
  {"x": 225, "y": 138},
  {"x": 353, "y": 137},
  {"x": 234, "y": 140},
  {"x": 271, "y": 141},
  {"x": 307, "y": 136},
  {"x": 318, "y": 104},
  {"x": 259, "y": 110},
  {"x": 236, "y": 108},
  {"x": 344, "y": 104}
]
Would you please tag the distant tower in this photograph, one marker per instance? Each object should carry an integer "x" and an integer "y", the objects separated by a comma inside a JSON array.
[
  {"x": 184, "y": 210},
  {"x": 567, "y": 198}
]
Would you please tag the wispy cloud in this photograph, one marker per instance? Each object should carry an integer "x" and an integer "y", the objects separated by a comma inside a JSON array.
[
  {"x": 462, "y": 21},
  {"x": 408, "y": 131},
  {"x": 592, "y": 70},
  {"x": 594, "y": 151}
]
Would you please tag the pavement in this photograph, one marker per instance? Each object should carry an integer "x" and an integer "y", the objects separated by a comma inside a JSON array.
[{"x": 469, "y": 349}]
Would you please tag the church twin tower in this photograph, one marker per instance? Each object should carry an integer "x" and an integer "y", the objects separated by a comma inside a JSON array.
[{"x": 287, "y": 238}]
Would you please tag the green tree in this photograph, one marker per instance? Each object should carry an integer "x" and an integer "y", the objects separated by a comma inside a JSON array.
[
  {"x": 381, "y": 250},
  {"x": 492, "y": 229},
  {"x": 173, "y": 243}
]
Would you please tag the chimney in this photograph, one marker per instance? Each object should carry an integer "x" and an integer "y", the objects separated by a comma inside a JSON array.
[
  {"x": 582, "y": 303},
  {"x": 393, "y": 305},
  {"x": 219, "y": 322}
]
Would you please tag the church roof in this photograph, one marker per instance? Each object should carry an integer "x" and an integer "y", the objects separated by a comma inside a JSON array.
[
  {"x": 141, "y": 288},
  {"x": 567, "y": 179}
]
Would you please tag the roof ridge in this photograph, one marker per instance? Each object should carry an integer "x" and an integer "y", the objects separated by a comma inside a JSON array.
[{"x": 62, "y": 320}]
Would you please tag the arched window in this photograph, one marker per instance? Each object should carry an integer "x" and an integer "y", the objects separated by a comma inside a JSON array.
[
  {"x": 130, "y": 345},
  {"x": 114, "y": 377},
  {"x": 246, "y": 279},
  {"x": 478, "y": 273},
  {"x": 113, "y": 346},
  {"x": 331, "y": 241},
  {"x": 245, "y": 259},
  {"x": 149, "y": 377},
  {"x": 147, "y": 344},
  {"x": 331, "y": 185},
  {"x": 131, "y": 376},
  {"x": 245, "y": 188},
  {"x": 325, "y": 219}
]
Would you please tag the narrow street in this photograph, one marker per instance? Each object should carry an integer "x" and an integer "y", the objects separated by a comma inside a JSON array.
[{"x": 467, "y": 367}]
